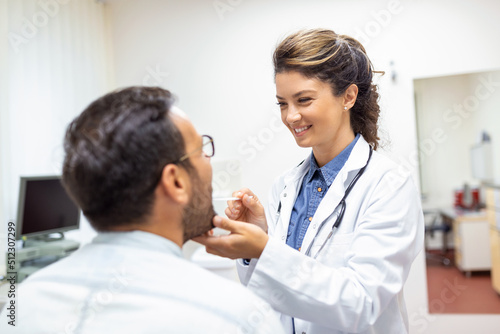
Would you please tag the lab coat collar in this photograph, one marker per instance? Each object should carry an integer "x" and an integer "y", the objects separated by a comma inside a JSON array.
[
  {"x": 326, "y": 208},
  {"x": 333, "y": 167},
  {"x": 298, "y": 172},
  {"x": 293, "y": 179},
  {"x": 356, "y": 161}
]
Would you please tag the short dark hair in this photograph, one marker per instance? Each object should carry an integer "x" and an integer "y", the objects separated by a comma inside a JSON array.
[{"x": 115, "y": 152}]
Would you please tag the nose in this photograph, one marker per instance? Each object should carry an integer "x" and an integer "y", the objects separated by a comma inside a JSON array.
[{"x": 293, "y": 115}]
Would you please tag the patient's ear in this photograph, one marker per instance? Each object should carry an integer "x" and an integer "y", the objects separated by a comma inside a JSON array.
[{"x": 175, "y": 183}]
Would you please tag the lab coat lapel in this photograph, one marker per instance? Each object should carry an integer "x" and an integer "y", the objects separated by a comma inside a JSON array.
[
  {"x": 288, "y": 196},
  {"x": 356, "y": 161}
]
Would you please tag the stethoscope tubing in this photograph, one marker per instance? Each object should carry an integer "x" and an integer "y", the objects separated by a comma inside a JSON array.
[
  {"x": 339, "y": 217},
  {"x": 340, "y": 214}
]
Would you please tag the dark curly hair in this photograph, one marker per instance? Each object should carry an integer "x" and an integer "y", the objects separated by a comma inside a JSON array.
[
  {"x": 340, "y": 61},
  {"x": 115, "y": 152}
]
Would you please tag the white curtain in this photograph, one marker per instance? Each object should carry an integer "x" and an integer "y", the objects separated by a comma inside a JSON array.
[
  {"x": 58, "y": 61},
  {"x": 3, "y": 113}
]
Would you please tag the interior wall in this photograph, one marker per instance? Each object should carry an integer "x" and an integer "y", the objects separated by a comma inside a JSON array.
[
  {"x": 486, "y": 87},
  {"x": 57, "y": 61},
  {"x": 3, "y": 120},
  {"x": 450, "y": 121},
  {"x": 216, "y": 56}
]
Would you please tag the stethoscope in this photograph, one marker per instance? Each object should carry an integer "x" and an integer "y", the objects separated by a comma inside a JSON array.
[{"x": 341, "y": 205}]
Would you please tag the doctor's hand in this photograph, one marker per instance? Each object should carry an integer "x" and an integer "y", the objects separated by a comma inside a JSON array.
[
  {"x": 245, "y": 240},
  {"x": 249, "y": 209}
]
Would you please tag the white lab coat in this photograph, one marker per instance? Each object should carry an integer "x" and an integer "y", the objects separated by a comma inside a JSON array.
[{"x": 356, "y": 283}]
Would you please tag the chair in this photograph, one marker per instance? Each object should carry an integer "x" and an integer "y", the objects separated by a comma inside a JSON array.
[{"x": 434, "y": 222}]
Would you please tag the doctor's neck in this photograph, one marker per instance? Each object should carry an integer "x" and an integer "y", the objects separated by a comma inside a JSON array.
[{"x": 326, "y": 153}]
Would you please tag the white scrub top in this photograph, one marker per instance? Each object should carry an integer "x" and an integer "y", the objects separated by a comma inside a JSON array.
[{"x": 135, "y": 282}]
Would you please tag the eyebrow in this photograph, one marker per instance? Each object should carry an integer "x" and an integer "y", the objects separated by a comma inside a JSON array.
[{"x": 299, "y": 93}]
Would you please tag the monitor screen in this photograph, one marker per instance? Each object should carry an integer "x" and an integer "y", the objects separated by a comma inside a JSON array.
[
  {"x": 482, "y": 162},
  {"x": 45, "y": 207}
]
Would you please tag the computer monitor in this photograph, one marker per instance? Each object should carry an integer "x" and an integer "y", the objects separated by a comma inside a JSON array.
[
  {"x": 481, "y": 157},
  {"x": 44, "y": 208}
]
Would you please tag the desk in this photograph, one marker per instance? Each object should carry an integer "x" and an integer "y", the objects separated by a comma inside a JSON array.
[
  {"x": 40, "y": 254},
  {"x": 471, "y": 239},
  {"x": 493, "y": 212}
]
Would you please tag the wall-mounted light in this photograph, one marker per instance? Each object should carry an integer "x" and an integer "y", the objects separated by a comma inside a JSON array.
[{"x": 393, "y": 72}]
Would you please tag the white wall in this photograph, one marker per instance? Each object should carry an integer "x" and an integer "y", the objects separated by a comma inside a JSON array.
[
  {"x": 57, "y": 61},
  {"x": 452, "y": 112},
  {"x": 219, "y": 64},
  {"x": 3, "y": 112},
  {"x": 487, "y": 117}
]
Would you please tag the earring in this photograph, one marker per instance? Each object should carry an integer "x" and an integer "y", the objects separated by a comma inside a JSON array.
[{"x": 345, "y": 108}]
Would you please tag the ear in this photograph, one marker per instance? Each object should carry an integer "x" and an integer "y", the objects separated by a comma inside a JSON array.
[
  {"x": 175, "y": 184},
  {"x": 350, "y": 96}
]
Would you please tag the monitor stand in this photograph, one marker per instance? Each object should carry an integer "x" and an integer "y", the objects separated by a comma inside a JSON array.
[
  {"x": 40, "y": 239},
  {"x": 40, "y": 252},
  {"x": 50, "y": 242}
]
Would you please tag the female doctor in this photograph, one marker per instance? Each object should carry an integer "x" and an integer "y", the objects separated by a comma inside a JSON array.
[{"x": 335, "y": 245}]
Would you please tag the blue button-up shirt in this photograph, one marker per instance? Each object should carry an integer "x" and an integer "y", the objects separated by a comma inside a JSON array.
[{"x": 314, "y": 187}]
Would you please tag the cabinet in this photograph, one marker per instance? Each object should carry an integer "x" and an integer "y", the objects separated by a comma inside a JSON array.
[
  {"x": 472, "y": 242},
  {"x": 493, "y": 214}
]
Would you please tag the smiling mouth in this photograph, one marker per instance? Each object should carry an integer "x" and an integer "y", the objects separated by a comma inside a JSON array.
[{"x": 302, "y": 129}]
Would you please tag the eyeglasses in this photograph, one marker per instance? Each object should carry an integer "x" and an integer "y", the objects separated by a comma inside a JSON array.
[
  {"x": 208, "y": 150},
  {"x": 207, "y": 147}
]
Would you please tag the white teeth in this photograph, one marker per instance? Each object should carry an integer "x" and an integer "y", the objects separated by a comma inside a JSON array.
[{"x": 301, "y": 129}]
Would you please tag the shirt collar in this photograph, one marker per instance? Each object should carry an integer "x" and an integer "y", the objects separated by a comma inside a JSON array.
[
  {"x": 332, "y": 168},
  {"x": 139, "y": 239}
]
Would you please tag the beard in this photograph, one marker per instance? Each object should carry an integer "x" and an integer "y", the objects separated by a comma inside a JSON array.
[{"x": 198, "y": 214}]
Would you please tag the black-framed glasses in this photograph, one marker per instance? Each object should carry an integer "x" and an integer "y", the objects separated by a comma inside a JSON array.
[
  {"x": 208, "y": 150},
  {"x": 207, "y": 147}
]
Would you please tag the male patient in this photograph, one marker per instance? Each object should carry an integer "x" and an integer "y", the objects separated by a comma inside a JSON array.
[{"x": 141, "y": 174}]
